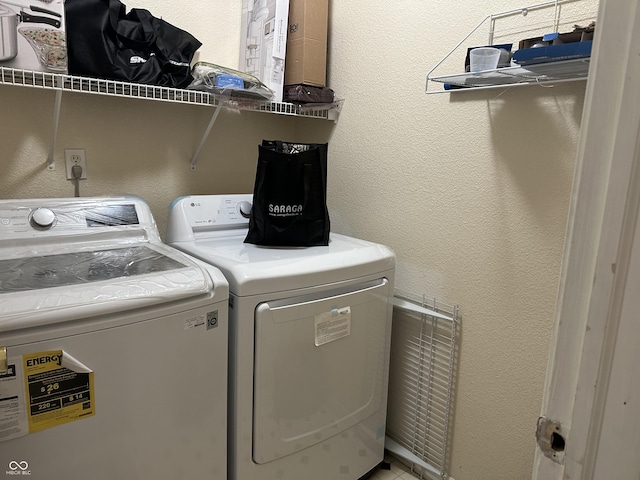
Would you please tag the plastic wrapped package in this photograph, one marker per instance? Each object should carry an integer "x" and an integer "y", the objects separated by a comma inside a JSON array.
[
  {"x": 64, "y": 259},
  {"x": 228, "y": 82}
]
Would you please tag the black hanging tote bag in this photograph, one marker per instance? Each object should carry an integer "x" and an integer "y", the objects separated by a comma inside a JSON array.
[
  {"x": 290, "y": 195},
  {"x": 104, "y": 41}
]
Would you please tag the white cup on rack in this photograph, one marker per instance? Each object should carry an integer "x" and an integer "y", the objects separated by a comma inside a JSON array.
[{"x": 484, "y": 58}]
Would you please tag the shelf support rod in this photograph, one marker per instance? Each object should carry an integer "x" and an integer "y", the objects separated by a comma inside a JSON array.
[
  {"x": 192, "y": 165},
  {"x": 492, "y": 29},
  {"x": 56, "y": 119},
  {"x": 556, "y": 19}
]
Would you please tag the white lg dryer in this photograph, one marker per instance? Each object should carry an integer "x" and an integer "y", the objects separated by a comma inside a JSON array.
[
  {"x": 309, "y": 344},
  {"x": 113, "y": 346}
]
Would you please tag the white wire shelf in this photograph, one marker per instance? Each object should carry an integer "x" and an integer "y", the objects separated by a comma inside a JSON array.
[
  {"x": 422, "y": 376},
  {"x": 532, "y": 20},
  {"x": 541, "y": 74},
  {"x": 70, "y": 83}
]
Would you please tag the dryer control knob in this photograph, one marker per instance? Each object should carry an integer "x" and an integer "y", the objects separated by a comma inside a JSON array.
[
  {"x": 42, "y": 218},
  {"x": 245, "y": 209}
]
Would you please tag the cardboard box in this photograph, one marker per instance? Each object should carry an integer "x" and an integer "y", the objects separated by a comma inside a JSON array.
[
  {"x": 263, "y": 43},
  {"x": 306, "y": 61},
  {"x": 36, "y": 40}
]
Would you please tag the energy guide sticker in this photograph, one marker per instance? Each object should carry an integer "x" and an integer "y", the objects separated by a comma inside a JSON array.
[
  {"x": 58, "y": 389},
  {"x": 332, "y": 325}
]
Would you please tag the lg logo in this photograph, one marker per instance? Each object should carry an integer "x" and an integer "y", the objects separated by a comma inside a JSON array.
[{"x": 18, "y": 468}]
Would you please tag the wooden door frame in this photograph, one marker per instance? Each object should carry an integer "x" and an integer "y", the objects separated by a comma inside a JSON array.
[{"x": 597, "y": 249}]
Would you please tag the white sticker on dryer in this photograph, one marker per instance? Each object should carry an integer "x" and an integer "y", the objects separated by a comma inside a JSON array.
[{"x": 333, "y": 325}]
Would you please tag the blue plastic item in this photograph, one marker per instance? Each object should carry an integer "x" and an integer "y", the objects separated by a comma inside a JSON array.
[
  {"x": 229, "y": 81},
  {"x": 553, "y": 53}
]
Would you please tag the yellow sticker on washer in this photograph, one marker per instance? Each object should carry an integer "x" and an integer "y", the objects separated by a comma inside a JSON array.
[{"x": 58, "y": 389}]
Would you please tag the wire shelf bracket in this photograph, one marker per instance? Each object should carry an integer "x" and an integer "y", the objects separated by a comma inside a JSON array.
[
  {"x": 214, "y": 117},
  {"x": 51, "y": 165}
]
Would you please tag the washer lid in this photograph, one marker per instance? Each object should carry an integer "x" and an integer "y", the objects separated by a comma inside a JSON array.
[
  {"x": 84, "y": 282},
  {"x": 254, "y": 270}
]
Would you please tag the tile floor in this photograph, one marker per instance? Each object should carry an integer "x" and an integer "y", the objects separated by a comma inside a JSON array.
[{"x": 398, "y": 471}]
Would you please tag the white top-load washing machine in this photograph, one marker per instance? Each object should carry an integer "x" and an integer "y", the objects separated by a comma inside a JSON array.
[
  {"x": 309, "y": 344},
  {"x": 113, "y": 346}
]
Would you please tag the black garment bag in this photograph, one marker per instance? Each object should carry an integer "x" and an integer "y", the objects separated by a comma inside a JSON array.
[
  {"x": 105, "y": 42},
  {"x": 290, "y": 195}
]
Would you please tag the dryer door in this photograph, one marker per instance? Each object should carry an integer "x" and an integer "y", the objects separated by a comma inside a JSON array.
[{"x": 320, "y": 367}]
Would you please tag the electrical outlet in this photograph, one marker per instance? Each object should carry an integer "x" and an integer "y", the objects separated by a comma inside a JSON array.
[{"x": 75, "y": 156}]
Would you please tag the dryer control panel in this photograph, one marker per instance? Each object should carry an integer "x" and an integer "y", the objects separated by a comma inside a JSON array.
[{"x": 208, "y": 215}]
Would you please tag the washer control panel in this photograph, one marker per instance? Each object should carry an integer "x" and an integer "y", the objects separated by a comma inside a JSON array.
[{"x": 52, "y": 217}]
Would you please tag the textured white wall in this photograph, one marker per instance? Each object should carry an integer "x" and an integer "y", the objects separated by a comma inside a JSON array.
[{"x": 470, "y": 190}]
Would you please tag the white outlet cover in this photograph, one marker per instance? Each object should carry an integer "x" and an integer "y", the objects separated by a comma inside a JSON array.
[{"x": 69, "y": 155}]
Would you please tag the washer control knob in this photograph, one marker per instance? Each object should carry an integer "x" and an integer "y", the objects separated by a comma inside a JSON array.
[
  {"x": 245, "y": 209},
  {"x": 42, "y": 218}
]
